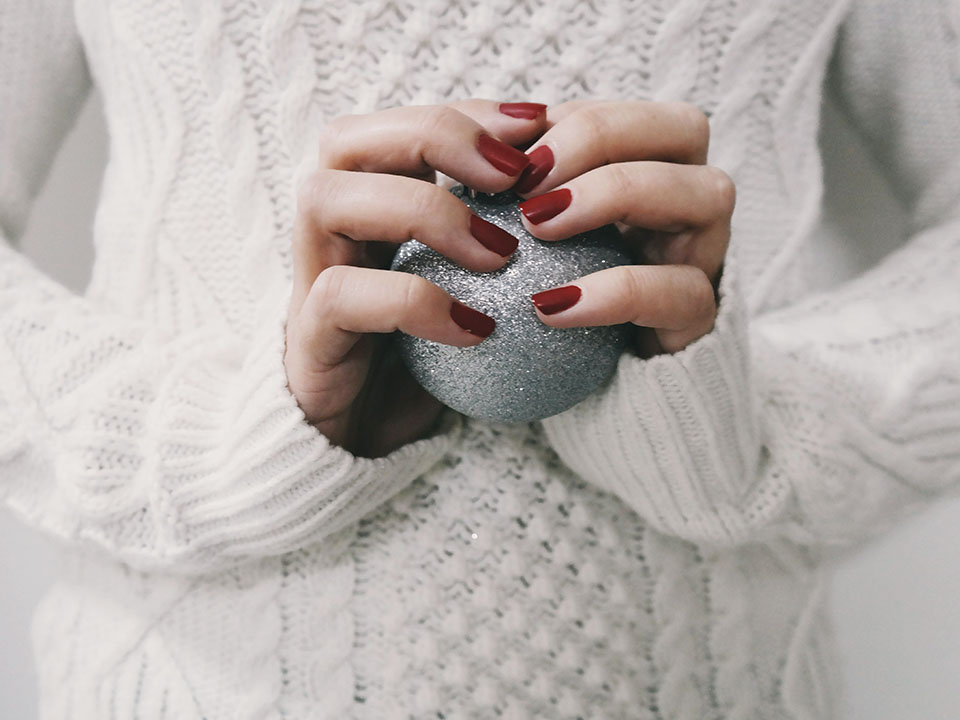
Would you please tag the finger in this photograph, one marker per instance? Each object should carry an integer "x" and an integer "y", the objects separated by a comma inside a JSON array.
[
  {"x": 346, "y": 302},
  {"x": 417, "y": 140},
  {"x": 516, "y": 123},
  {"x": 676, "y": 300},
  {"x": 594, "y": 134},
  {"x": 557, "y": 113},
  {"x": 400, "y": 409},
  {"x": 338, "y": 210},
  {"x": 693, "y": 199}
]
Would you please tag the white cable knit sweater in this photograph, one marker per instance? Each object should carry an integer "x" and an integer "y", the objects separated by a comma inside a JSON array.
[{"x": 651, "y": 553}]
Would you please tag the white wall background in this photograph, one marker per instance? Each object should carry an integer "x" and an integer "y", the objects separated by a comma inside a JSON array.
[{"x": 896, "y": 601}]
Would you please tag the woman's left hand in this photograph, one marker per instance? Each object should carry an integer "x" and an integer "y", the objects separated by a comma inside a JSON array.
[{"x": 642, "y": 166}]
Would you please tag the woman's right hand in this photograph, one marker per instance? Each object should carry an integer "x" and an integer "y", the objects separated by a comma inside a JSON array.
[{"x": 375, "y": 185}]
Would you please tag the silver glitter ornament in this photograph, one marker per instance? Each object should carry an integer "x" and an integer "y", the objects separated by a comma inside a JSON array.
[{"x": 525, "y": 370}]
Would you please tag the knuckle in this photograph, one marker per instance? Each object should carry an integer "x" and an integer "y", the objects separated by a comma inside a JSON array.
[
  {"x": 592, "y": 122},
  {"x": 435, "y": 119},
  {"x": 623, "y": 183},
  {"x": 700, "y": 298},
  {"x": 314, "y": 192},
  {"x": 566, "y": 112},
  {"x": 431, "y": 125},
  {"x": 696, "y": 125},
  {"x": 416, "y": 297},
  {"x": 423, "y": 202},
  {"x": 469, "y": 106},
  {"x": 632, "y": 291},
  {"x": 722, "y": 189},
  {"x": 329, "y": 287},
  {"x": 297, "y": 344},
  {"x": 330, "y": 142},
  {"x": 312, "y": 195}
]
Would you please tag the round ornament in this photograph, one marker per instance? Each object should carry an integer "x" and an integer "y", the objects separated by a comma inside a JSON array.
[{"x": 525, "y": 370}]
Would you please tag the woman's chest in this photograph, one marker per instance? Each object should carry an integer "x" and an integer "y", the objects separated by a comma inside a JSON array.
[{"x": 356, "y": 56}]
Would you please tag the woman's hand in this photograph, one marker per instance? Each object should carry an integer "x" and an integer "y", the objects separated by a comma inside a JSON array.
[
  {"x": 640, "y": 165},
  {"x": 374, "y": 188}
]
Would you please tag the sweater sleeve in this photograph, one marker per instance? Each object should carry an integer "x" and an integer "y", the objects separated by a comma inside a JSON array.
[
  {"x": 178, "y": 453},
  {"x": 826, "y": 420}
]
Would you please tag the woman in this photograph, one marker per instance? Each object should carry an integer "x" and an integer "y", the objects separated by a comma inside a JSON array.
[{"x": 654, "y": 551}]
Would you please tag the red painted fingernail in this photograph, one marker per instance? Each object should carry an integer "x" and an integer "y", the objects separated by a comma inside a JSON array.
[
  {"x": 492, "y": 237},
  {"x": 550, "y": 302},
  {"x": 473, "y": 321},
  {"x": 523, "y": 110},
  {"x": 541, "y": 163},
  {"x": 504, "y": 158},
  {"x": 543, "y": 207}
]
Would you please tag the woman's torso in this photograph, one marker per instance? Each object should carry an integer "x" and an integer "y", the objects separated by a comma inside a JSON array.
[{"x": 565, "y": 604}]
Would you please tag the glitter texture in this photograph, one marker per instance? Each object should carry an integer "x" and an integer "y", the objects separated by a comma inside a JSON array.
[{"x": 525, "y": 370}]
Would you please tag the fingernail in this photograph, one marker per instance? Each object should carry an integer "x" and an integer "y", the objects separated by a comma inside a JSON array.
[
  {"x": 543, "y": 207},
  {"x": 541, "y": 163},
  {"x": 492, "y": 237},
  {"x": 473, "y": 321},
  {"x": 523, "y": 110},
  {"x": 550, "y": 302},
  {"x": 504, "y": 158}
]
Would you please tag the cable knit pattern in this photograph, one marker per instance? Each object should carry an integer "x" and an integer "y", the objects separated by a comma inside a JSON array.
[
  {"x": 653, "y": 552},
  {"x": 539, "y": 597}
]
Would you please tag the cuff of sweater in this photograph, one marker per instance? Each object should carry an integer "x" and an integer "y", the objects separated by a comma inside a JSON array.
[
  {"x": 675, "y": 436},
  {"x": 282, "y": 484},
  {"x": 236, "y": 471}
]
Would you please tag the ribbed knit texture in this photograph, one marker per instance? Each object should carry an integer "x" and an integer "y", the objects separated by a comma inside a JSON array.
[{"x": 651, "y": 553}]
